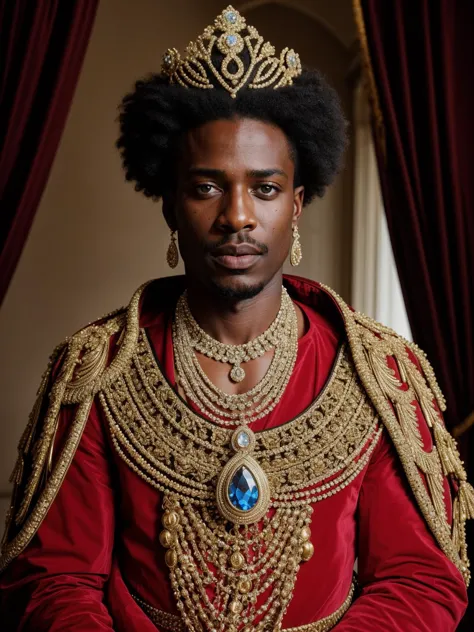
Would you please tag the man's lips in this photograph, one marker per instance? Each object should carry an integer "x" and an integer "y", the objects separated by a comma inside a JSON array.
[
  {"x": 236, "y": 256},
  {"x": 233, "y": 262}
]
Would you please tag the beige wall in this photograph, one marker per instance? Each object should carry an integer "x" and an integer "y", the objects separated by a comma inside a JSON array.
[{"x": 94, "y": 240}]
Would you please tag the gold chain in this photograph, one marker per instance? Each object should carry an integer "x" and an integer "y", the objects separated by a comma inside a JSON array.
[
  {"x": 222, "y": 407},
  {"x": 252, "y": 569}
]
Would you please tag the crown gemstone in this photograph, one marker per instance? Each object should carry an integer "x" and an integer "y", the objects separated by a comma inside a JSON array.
[
  {"x": 243, "y": 490},
  {"x": 231, "y": 17},
  {"x": 243, "y": 440},
  {"x": 231, "y": 40},
  {"x": 291, "y": 60}
]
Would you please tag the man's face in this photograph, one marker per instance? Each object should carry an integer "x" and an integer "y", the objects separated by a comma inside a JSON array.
[{"x": 234, "y": 205}]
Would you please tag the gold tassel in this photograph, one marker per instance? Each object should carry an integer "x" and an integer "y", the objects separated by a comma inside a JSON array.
[
  {"x": 466, "y": 500},
  {"x": 436, "y": 487},
  {"x": 447, "y": 451},
  {"x": 463, "y": 509}
]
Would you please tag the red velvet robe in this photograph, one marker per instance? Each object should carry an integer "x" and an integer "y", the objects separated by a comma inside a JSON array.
[{"x": 99, "y": 539}]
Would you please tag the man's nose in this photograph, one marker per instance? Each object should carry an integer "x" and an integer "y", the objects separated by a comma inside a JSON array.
[{"x": 237, "y": 212}]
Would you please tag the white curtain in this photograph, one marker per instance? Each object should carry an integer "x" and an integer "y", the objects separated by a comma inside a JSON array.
[{"x": 375, "y": 285}]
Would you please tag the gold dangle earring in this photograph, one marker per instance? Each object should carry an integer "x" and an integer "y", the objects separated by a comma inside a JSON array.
[
  {"x": 296, "y": 255},
  {"x": 172, "y": 255}
]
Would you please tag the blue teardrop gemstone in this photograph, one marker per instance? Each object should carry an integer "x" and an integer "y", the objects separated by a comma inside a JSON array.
[{"x": 243, "y": 490}]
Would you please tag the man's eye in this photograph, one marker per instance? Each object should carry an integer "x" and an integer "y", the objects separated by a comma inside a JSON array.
[
  {"x": 204, "y": 189},
  {"x": 267, "y": 189}
]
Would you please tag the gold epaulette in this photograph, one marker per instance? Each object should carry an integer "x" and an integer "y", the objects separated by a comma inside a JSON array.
[
  {"x": 403, "y": 388},
  {"x": 76, "y": 371}
]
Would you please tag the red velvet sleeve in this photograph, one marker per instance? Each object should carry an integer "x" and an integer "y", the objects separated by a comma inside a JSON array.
[
  {"x": 56, "y": 584},
  {"x": 407, "y": 583}
]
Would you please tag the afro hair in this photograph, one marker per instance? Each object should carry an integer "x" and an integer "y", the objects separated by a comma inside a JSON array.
[{"x": 156, "y": 114}]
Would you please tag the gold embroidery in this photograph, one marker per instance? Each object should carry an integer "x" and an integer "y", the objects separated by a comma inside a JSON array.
[
  {"x": 82, "y": 365},
  {"x": 92, "y": 348},
  {"x": 371, "y": 343},
  {"x": 176, "y": 450},
  {"x": 27, "y": 438}
]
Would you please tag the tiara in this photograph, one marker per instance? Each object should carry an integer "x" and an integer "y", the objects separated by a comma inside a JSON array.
[{"x": 232, "y": 37}]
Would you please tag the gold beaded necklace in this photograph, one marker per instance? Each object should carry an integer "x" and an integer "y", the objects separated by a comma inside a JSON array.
[
  {"x": 234, "y": 354},
  {"x": 216, "y": 404}
]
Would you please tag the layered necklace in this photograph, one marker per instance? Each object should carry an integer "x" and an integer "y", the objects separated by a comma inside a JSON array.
[
  {"x": 263, "y": 560},
  {"x": 216, "y": 404}
]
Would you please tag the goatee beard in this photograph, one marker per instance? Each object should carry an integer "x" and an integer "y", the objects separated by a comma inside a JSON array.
[{"x": 235, "y": 295}]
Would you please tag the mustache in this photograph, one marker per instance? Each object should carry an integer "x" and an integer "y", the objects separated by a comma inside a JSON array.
[{"x": 229, "y": 240}]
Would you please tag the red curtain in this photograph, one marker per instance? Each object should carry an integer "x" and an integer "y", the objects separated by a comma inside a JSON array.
[
  {"x": 420, "y": 53},
  {"x": 42, "y": 46}
]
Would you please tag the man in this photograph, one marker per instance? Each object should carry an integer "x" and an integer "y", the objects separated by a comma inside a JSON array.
[{"x": 218, "y": 455}]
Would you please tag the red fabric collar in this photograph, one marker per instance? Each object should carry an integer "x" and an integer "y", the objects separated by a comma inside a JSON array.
[{"x": 163, "y": 293}]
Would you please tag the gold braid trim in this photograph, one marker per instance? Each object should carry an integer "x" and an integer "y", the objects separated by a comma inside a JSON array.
[
  {"x": 371, "y": 344},
  {"x": 82, "y": 367},
  {"x": 370, "y": 83},
  {"x": 13, "y": 548}
]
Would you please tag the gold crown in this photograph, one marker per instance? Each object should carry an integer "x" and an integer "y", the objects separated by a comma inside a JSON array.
[{"x": 231, "y": 36}]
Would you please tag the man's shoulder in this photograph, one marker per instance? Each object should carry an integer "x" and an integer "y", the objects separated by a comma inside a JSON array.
[
  {"x": 402, "y": 386},
  {"x": 370, "y": 338},
  {"x": 96, "y": 353}
]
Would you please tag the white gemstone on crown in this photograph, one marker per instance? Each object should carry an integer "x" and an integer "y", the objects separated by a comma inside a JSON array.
[
  {"x": 231, "y": 17},
  {"x": 231, "y": 40}
]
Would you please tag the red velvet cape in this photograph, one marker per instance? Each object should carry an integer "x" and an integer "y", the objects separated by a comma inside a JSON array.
[{"x": 99, "y": 539}]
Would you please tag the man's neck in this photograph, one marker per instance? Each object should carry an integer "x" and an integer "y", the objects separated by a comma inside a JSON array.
[{"x": 235, "y": 322}]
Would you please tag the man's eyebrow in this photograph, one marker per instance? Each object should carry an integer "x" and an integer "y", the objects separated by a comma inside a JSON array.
[
  {"x": 206, "y": 172},
  {"x": 266, "y": 173}
]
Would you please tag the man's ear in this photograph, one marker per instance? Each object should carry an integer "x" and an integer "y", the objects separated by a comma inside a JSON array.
[
  {"x": 169, "y": 212},
  {"x": 298, "y": 203}
]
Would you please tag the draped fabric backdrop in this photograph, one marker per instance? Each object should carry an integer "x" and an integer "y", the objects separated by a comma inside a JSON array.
[
  {"x": 420, "y": 55},
  {"x": 42, "y": 46}
]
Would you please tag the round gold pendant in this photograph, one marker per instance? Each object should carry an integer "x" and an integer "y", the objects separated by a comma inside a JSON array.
[
  {"x": 307, "y": 551},
  {"x": 237, "y": 560},
  {"x": 237, "y": 374}
]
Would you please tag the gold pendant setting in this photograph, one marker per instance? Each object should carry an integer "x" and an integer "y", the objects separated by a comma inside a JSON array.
[
  {"x": 237, "y": 373},
  {"x": 242, "y": 491}
]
